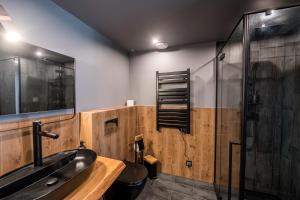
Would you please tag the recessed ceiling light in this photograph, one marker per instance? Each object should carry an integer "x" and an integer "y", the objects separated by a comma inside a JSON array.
[
  {"x": 263, "y": 25},
  {"x": 38, "y": 53},
  {"x": 161, "y": 45},
  {"x": 12, "y": 36},
  {"x": 269, "y": 12},
  {"x": 155, "y": 40},
  {"x": 16, "y": 60}
]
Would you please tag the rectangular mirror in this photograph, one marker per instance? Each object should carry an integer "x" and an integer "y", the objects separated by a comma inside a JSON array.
[{"x": 34, "y": 79}]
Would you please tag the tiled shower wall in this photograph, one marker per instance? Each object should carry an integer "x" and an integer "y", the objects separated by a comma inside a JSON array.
[
  {"x": 8, "y": 68},
  {"x": 273, "y": 136},
  {"x": 35, "y": 77}
]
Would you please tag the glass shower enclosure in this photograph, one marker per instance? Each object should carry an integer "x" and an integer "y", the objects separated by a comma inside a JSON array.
[{"x": 257, "y": 135}]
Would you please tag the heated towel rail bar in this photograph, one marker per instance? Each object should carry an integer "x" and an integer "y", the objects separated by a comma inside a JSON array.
[{"x": 173, "y": 100}]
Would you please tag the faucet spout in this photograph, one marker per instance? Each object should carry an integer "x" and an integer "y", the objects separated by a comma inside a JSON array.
[
  {"x": 49, "y": 134},
  {"x": 37, "y": 142}
]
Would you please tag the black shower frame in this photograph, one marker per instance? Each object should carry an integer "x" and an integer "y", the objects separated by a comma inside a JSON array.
[{"x": 244, "y": 111}]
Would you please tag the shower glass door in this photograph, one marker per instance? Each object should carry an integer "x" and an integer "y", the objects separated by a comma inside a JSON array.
[
  {"x": 273, "y": 121},
  {"x": 228, "y": 116}
]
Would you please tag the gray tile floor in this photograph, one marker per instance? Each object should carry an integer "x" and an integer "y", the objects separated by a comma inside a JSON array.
[{"x": 167, "y": 187}]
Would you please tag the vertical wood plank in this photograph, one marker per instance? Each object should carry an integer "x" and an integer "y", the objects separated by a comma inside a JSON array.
[
  {"x": 110, "y": 140},
  {"x": 173, "y": 149},
  {"x": 16, "y": 146}
]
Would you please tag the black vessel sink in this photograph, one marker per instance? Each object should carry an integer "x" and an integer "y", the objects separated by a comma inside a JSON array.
[{"x": 60, "y": 174}]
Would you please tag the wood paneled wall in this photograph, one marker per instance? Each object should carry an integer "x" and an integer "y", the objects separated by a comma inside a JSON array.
[
  {"x": 110, "y": 140},
  {"x": 172, "y": 148},
  {"x": 169, "y": 146},
  {"x": 16, "y": 146},
  {"x": 228, "y": 130}
]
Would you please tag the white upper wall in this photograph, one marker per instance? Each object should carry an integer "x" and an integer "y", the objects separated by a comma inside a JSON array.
[
  {"x": 199, "y": 58},
  {"x": 102, "y": 71}
]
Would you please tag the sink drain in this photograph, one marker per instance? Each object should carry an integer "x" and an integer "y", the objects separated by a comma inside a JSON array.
[{"x": 52, "y": 181}]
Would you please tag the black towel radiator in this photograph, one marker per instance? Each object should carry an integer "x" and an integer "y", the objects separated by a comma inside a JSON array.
[{"x": 173, "y": 100}]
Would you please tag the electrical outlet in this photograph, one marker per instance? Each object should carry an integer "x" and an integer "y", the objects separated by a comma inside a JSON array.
[{"x": 189, "y": 163}]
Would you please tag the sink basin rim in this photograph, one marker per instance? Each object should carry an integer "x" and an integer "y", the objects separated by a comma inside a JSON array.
[{"x": 76, "y": 174}]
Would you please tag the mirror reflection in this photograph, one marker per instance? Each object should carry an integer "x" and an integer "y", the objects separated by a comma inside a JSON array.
[
  {"x": 34, "y": 79},
  {"x": 8, "y": 72}
]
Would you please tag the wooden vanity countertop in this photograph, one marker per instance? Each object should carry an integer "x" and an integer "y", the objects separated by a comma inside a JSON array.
[{"x": 104, "y": 173}]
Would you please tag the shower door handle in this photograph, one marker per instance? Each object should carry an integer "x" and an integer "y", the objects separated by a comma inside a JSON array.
[{"x": 231, "y": 143}]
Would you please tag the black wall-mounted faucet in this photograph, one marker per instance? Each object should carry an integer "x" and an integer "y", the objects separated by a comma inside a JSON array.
[{"x": 37, "y": 142}]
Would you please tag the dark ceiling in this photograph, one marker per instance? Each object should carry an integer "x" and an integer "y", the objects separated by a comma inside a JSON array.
[{"x": 133, "y": 23}]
